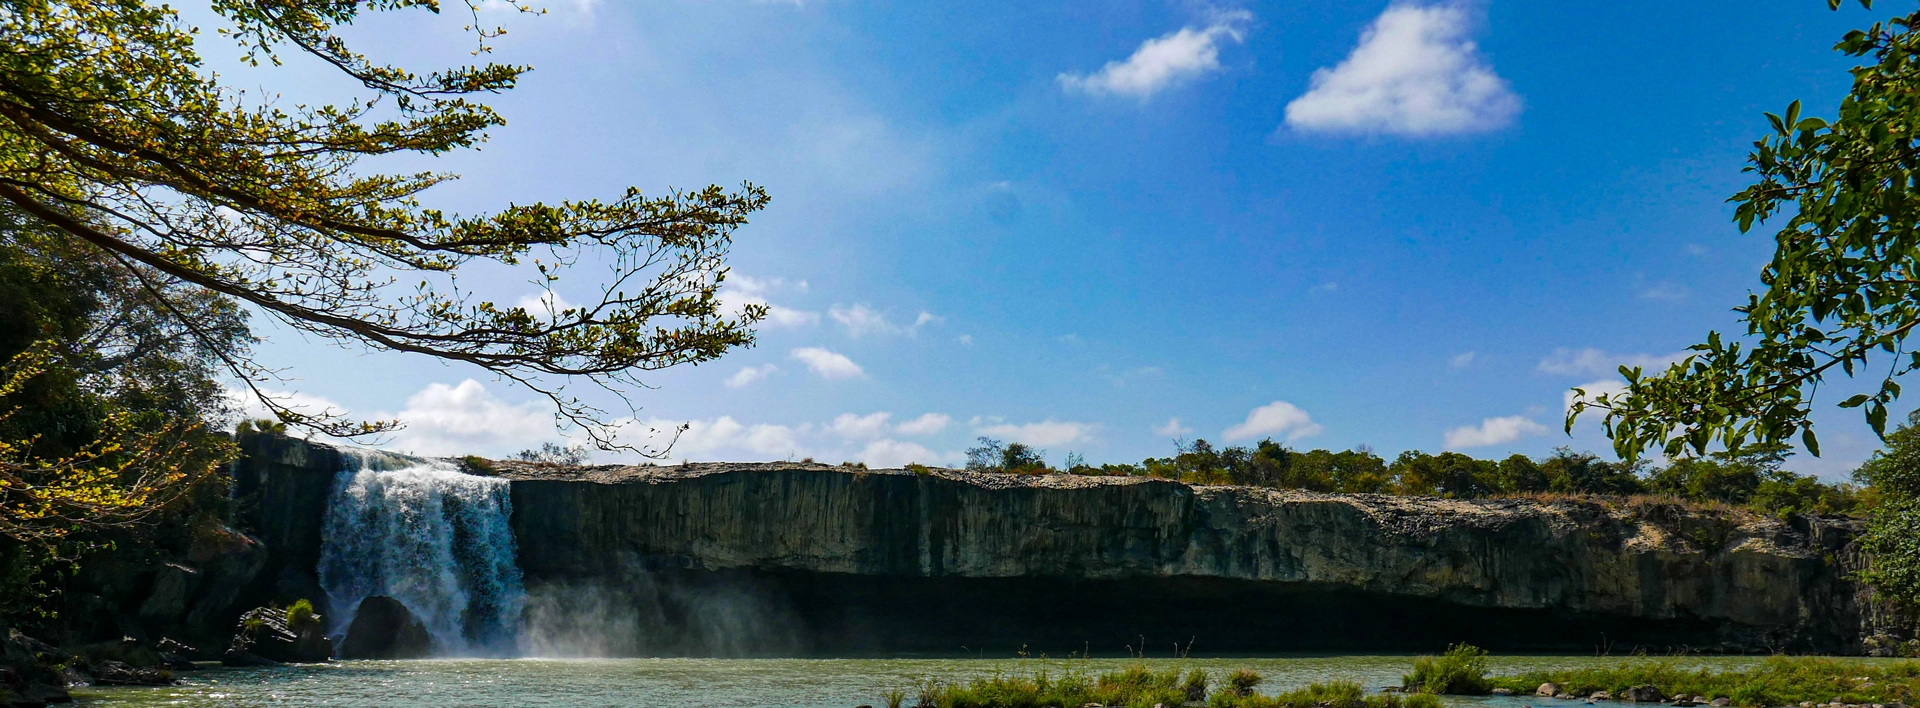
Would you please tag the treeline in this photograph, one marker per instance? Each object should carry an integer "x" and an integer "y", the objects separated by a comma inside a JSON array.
[{"x": 1754, "y": 479}]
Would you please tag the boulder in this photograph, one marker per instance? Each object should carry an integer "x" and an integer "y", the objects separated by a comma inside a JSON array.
[
  {"x": 30, "y": 671},
  {"x": 229, "y": 561},
  {"x": 1548, "y": 690},
  {"x": 1643, "y": 694},
  {"x": 383, "y": 628},
  {"x": 264, "y": 632},
  {"x": 1503, "y": 691},
  {"x": 1601, "y": 696},
  {"x": 120, "y": 673},
  {"x": 1720, "y": 703},
  {"x": 173, "y": 587}
]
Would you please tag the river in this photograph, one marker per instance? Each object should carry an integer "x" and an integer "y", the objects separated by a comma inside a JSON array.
[{"x": 728, "y": 683}]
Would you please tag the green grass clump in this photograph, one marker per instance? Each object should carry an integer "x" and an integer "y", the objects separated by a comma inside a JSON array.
[
  {"x": 1338, "y": 694},
  {"x": 300, "y": 614},
  {"x": 1462, "y": 671},
  {"x": 1134, "y": 686},
  {"x": 1780, "y": 681}
]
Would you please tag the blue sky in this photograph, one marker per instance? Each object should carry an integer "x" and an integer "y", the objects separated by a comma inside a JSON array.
[{"x": 1096, "y": 227}]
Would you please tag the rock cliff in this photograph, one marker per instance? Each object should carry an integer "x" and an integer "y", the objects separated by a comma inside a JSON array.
[
  {"x": 889, "y": 560},
  {"x": 795, "y": 558}
]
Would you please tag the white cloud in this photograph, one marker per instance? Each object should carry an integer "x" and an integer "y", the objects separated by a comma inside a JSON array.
[
  {"x": 861, "y": 320},
  {"x": 1461, "y": 360},
  {"x": 1665, "y": 291},
  {"x": 248, "y": 406},
  {"x": 1493, "y": 431},
  {"x": 884, "y": 454},
  {"x": 1592, "y": 361},
  {"x": 741, "y": 290},
  {"x": 1046, "y": 433},
  {"x": 848, "y": 425},
  {"x": 1276, "y": 418},
  {"x": 926, "y": 424},
  {"x": 467, "y": 419},
  {"x": 1414, "y": 73},
  {"x": 1171, "y": 429},
  {"x": 750, "y": 374},
  {"x": 966, "y": 340},
  {"x": 1163, "y": 61},
  {"x": 828, "y": 364}
]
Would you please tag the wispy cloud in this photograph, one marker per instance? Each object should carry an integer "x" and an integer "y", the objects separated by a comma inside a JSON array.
[
  {"x": 741, "y": 291},
  {"x": 1414, "y": 73},
  {"x": 1590, "y": 361},
  {"x": 827, "y": 364},
  {"x": 1164, "y": 61},
  {"x": 1046, "y": 433},
  {"x": 750, "y": 374},
  {"x": 1172, "y": 428},
  {"x": 852, "y": 426},
  {"x": 1461, "y": 360},
  {"x": 1277, "y": 418},
  {"x": 861, "y": 321},
  {"x": 926, "y": 424},
  {"x": 1492, "y": 431}
]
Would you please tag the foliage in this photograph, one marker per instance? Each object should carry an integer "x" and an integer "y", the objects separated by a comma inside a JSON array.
[
  {"x": 554, "y": 453},
  {"x": 1242, "y": 681},
  {"x": 1842, "y": 289},
  {"x": 1462, "y": 670},
  {"x": 115, "y": 136},
  {"x": 1893, "y": 476},
  {"x": 300, "y": 614},
  {"x": 893, "y": 698},
  {"x": 1018, "y": 458},
  {"x": 1131, "y": 686},
  {"x": 1337, "y": 694},
  {"x": 1779, "y": 681}
]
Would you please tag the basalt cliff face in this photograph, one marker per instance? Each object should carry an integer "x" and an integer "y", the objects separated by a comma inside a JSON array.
[{"x": 797, "y": 559}]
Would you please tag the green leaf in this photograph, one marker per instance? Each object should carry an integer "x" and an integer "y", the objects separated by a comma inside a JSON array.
[{"x": 1854, "y": 402}]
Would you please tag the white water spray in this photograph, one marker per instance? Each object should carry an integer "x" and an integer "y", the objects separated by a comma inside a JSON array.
[{"x": 434, "y": 538}]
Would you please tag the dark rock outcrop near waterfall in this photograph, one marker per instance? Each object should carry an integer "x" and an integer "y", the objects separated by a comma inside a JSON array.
[
  {"x": 383, "y": 628},
  {"x": 797, "y": 558}
]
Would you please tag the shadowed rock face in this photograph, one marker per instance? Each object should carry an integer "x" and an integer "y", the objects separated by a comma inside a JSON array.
[
  {"x": 383, "y": 628},
  {"x": 892, "y": 561},
  {"x": 794, "y": 559}
]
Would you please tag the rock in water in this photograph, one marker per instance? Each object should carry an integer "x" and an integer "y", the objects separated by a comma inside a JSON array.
[
  {"x": 1547, "y": 689},
  {"x": 264, "y": 632},
  {"x": 1643, "y": 694},
  {"x": 384, "y": 629}
]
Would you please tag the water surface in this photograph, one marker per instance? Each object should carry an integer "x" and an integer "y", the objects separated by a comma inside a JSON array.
[{"x": 724, "y": 683}]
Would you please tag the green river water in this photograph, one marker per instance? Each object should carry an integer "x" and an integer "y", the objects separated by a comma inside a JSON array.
[{"x": 728, "y": 683}]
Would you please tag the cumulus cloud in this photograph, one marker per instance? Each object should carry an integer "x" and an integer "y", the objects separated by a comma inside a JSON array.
[
  {"x": 926, "y": 424},
  {"x": 1046, "y": 433},
  {"x": 1163, "y": 61},
  {"x": 848, "y": 425},
  {"x": 248, "y": 406},
  {"x": 466, "y": 418},
  {"x": 895, "y": 453},
  {"x": 1414, "y": 73},
  {"x": 827, "y": 364},
  {"x": 741, "y": 290},
  {"x": 1172, "y": 428},
  {"x": 750, "y": 374},
  {"x": 1276, "y": 418},
  {"x": 1493, "y": 431},
  {"x": 545, "y": 305},
  {"x": 1592, "y": 361},
  {"x": 861, "y": 320}
]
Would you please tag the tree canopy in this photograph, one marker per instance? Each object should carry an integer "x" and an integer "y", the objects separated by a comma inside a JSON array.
[
  {"x": 1842, "y": 292},
  {"x": 115, "y": 135}
]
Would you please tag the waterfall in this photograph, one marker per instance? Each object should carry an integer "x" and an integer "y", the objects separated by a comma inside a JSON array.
[{"x": 434, "y": 538}]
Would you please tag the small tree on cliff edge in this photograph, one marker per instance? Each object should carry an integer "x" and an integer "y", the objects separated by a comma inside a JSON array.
[
  {"x": 1842, "y": 291},
  {"x": 114, "y": 134}
]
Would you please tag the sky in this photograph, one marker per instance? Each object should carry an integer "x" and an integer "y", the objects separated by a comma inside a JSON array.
[{"x": 1099, "y": 228}]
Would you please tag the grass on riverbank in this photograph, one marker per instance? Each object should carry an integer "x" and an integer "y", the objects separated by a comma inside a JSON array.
[
  {"x": 1780, "y": 681},
  {"x": 1141, "y": 687}
]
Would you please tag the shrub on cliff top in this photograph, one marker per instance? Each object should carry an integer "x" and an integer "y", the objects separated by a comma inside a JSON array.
[{"x": 1460, "y": 671}]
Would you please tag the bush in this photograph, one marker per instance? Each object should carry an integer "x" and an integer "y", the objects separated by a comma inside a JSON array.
[
  {"x": 1242, "y": 681},
  {"x": 1338, "y": 694},
  {"x": 1461, "y": 671},
  {"x": 300, "y": 614},
  {"x": 893, "y": 698}
]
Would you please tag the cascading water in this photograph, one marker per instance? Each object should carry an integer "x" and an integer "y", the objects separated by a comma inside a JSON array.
[{"x": 436, "y": 539}]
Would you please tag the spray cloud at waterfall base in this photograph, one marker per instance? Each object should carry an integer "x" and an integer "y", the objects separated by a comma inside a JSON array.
[{"x": 435, "y": 539}]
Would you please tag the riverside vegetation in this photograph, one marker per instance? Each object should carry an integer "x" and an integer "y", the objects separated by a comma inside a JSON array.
[{"x": 1460, "y": 671}]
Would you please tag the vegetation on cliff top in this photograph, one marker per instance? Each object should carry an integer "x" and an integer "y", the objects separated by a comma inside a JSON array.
[{"x": 1753, "y": 479}]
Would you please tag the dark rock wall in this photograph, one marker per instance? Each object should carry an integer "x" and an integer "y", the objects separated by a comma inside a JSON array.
[{"x": 931, "y": 562}]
